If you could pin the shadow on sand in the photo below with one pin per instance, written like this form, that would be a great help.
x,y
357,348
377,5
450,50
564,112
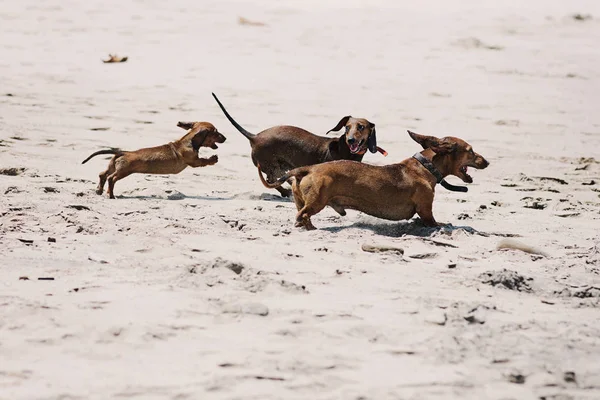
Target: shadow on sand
x,y
166,198
174,196
414,227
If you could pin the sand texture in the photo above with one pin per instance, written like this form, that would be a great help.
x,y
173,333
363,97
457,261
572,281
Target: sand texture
x,y
198,286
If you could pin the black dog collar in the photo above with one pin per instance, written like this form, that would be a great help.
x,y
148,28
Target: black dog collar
x,y
438,176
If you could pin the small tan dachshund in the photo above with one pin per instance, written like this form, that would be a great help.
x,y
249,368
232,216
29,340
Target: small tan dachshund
x,y
171,158
282,148
393,192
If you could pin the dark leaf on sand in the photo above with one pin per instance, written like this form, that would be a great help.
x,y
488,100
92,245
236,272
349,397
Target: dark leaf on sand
x,y
516,378
381,249
421,256
78,207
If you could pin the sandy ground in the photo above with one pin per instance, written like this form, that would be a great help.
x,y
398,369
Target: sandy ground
x,y
197,286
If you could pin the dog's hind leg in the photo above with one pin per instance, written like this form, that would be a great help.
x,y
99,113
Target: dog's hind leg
x,y
272,176
277,171
103,175
299,200
112,179
312,205
283,191
303,220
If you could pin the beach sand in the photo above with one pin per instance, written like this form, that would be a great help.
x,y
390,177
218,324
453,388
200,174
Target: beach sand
x,y
197,285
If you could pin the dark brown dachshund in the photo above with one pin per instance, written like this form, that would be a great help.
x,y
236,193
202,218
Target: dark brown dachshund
x,y
282,148
171,158
392,192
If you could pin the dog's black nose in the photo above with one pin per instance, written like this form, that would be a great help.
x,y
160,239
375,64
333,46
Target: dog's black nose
x,y
351,140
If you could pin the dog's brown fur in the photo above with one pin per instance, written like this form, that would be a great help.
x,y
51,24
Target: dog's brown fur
x,y
113,58
392,192
171,158
282,148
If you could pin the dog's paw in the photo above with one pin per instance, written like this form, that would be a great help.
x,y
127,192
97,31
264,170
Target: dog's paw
x,y
213,159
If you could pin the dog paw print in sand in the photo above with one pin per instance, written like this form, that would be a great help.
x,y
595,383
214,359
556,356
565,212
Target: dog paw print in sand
x,y
524,183
220,271
475,43
537,203
507,279
251,308
233,223
12,190
154,193
565,207
13,171
584,163
581,292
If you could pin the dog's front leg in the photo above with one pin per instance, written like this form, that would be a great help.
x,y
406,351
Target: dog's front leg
x,y
203,162
426,214
424,203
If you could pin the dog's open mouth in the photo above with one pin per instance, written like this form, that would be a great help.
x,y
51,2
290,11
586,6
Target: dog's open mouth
x,y
355,147
465,176
220,140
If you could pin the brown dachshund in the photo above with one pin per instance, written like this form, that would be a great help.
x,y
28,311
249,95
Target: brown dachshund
x,y
171,158
392,192
282,148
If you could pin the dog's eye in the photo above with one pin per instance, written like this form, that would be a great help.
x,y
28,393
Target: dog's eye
x,y
360,127
471,151
347,128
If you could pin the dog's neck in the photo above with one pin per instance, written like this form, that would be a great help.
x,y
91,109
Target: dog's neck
x,y
438,166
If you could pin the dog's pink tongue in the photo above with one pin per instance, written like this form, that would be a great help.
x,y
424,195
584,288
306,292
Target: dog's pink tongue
x,y
353,147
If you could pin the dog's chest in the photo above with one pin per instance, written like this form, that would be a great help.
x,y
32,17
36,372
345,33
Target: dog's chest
x,y
165,167
390,210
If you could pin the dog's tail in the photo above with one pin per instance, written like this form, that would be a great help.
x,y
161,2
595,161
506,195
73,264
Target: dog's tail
x,y
297,173
118,152
244,132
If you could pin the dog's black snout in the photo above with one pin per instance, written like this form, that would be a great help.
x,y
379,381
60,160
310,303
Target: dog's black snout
x,y
351,140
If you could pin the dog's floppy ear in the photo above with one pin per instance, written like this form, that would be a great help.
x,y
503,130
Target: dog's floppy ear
x,y
372,140
185,125
340,124
200,134
199,139
439,146
425,141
